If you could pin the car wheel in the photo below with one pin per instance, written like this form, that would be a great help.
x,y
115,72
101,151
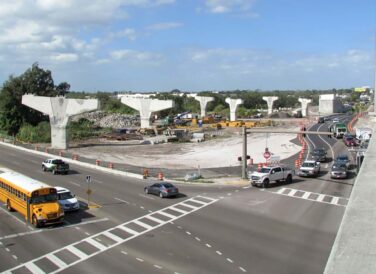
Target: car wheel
x,y
9,207
35,222
289,179
160,194
54,172
146,191
265,183
44,168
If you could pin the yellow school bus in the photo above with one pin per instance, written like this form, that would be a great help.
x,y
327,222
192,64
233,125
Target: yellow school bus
x,y
37,201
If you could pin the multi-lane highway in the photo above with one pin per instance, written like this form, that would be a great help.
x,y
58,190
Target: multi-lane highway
x,y
209,229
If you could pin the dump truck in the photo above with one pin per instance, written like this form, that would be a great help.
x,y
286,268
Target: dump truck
x,y
338,129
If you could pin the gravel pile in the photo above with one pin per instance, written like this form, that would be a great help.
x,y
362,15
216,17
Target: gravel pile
x,y
115,120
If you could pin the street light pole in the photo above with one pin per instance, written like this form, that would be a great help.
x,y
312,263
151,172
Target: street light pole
x,y
244,157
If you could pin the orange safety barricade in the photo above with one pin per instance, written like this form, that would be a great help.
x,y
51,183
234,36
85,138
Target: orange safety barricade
x,y
75,157
97,162
146,173
111,165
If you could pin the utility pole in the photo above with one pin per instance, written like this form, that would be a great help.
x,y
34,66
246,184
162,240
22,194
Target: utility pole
x,y
244,157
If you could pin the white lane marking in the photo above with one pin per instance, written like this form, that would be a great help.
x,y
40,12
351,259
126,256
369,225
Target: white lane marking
x,y
121,200
145,196
246,187
178,210
33,268
219,252
292,192
320,198
15,257
190,206
87,233
142,207
155,219
45,230
198,239
242,269
76,252
228,259
125,253
158,266
59,263
307,195
112,236
166,214
96,244
74,183
97,181
128,230
208,245
281,190
7,249
334,200
82,256
143,224
189,233
197,201
139,259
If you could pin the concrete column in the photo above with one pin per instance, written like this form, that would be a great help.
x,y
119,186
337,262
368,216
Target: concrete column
x,y
304,103
146,107
203,102
270,100
233,106
59,109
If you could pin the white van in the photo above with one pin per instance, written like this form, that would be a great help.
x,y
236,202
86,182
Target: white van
x,y
66,200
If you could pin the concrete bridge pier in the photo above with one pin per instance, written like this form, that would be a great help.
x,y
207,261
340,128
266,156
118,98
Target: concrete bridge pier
x,y
270,100
234,103
203,102
59,109
146,107
304,103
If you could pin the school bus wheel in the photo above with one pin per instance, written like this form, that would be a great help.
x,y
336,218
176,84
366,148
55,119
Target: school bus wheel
x,y
35,222
9,207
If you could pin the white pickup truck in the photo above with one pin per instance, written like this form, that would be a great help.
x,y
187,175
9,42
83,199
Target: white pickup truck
x,y
309,168
267,175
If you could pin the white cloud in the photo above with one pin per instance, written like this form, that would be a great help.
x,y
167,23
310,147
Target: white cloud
x,y
134,55
128,33
226,6
165,26
65,57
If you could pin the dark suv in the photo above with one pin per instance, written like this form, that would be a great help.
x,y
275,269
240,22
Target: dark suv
x,y
319,154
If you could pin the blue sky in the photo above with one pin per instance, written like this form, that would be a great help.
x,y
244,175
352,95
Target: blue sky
x,y
191,45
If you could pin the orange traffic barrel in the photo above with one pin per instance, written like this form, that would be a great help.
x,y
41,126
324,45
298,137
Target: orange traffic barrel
x,y
97,162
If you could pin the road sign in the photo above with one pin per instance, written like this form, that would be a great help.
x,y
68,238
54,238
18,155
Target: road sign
x,y
88,178
267,155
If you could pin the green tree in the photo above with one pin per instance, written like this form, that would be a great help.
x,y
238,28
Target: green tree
x,y
13,114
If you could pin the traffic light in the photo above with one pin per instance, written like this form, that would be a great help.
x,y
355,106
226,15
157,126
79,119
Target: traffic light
x,y
304,129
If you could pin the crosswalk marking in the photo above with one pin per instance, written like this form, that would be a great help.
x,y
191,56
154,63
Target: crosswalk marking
x,y
130,231
96,244
112,236
59,263
34,265
76,252
33,268
178,210
154,219
190,206
143,224
318,197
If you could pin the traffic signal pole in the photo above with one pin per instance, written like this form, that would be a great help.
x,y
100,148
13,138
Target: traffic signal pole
x,y
244,157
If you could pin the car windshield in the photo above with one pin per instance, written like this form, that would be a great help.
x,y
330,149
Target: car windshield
x,y
308,164
264,170
318,152
167,185
44,199
56,162
65,196
339,167
342,158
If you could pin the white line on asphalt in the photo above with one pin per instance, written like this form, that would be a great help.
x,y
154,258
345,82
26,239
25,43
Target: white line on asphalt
x,y
198,239
228,259
97,181
15,257
320,198
155,219
158,266
281,190
142,207
219,252
208,245
74,247
121,200
125,253
306,195
189,233
292,192
87,233
334,200
45,230
139,259
7,249
242,269
246,187
145,196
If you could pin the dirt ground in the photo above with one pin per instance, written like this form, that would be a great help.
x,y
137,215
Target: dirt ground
x,y
217,152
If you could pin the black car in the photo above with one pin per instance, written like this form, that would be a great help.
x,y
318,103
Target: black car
x,y
321,120
319,154
162,189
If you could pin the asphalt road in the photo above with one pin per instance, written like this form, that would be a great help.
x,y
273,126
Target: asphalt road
x,y
214,229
